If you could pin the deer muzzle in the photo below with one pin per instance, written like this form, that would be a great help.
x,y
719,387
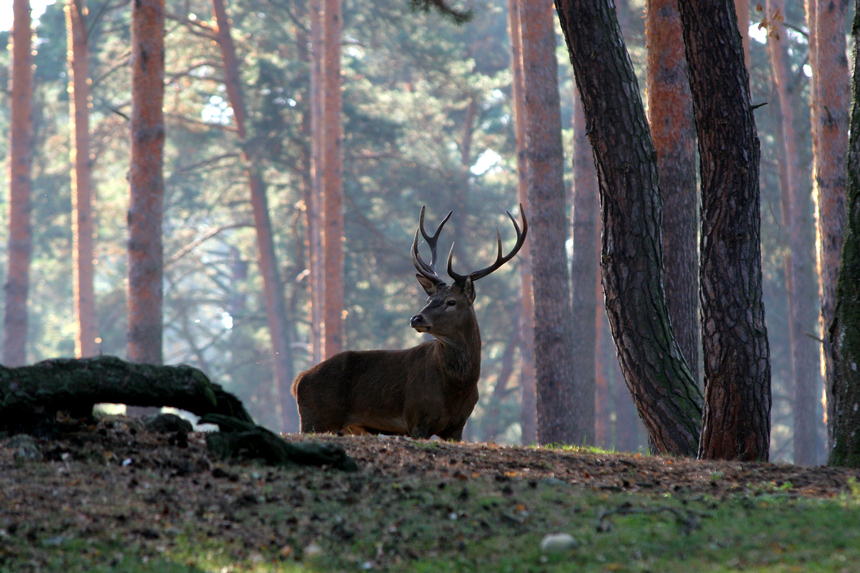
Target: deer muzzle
x,y
419,323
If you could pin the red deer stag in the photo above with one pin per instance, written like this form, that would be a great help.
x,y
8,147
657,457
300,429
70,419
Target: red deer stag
x,y
426,390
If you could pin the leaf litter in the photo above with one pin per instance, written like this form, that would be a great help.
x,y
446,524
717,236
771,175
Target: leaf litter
x,y
128,493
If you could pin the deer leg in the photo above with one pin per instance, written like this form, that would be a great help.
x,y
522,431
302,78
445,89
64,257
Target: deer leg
x,y
453,432
421,431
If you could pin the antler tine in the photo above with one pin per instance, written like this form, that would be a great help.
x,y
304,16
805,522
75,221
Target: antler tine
x,y
428,271
500,260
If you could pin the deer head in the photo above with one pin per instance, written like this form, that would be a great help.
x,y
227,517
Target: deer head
x,y
449,309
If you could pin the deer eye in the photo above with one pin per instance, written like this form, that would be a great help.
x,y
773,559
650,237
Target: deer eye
x,y
451,302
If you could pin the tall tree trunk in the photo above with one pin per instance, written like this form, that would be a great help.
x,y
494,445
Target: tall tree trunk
x,y
666,396
845,329
333,180
276,311
670,108
830,140
315,207
146,202
553,320
528,392
586,254
799,270
734,335
20,164
82,192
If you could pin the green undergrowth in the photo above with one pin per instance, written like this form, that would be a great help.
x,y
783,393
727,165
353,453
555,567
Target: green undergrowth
x,y
348,522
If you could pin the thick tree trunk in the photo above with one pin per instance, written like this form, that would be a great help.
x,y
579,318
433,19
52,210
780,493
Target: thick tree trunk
x,y
20,163
30,396
734,335
845,329
553,321
830,93
333,181
146,202
665,394
799,268
528,393
82,192
670,107
276,311
586,254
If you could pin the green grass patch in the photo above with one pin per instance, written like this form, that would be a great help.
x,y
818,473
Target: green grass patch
x,y
344,523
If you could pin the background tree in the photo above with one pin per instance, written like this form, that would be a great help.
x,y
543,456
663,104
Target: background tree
x,y
314,206
586,254
279,330
665,394
734,336
556,391
829,111
670,118
332,179
800,275
81,179
845,329
528,392
146,198
20,165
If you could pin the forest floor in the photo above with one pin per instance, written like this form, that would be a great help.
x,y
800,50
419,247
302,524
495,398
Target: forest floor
x,y
115,497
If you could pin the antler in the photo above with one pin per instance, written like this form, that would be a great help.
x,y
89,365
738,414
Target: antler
x,y
428,271
500,260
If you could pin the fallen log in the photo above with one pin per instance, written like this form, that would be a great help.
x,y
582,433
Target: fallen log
x,y
239,440
31,396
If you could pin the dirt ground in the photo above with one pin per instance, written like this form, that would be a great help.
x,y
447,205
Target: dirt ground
x,y
117,480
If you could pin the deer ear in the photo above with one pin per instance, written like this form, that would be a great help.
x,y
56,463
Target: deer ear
x,y
430,287
469,289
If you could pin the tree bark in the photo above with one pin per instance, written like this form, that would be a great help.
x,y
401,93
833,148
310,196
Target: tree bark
x,y
799,268
844,332
528,393
146,202
734,335
333,181
670,108
829,111
81,170
20,165
586,254
666,396
276,311
553,320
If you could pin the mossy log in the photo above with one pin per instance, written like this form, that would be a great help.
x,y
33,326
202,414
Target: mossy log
x,y
242,440
30,396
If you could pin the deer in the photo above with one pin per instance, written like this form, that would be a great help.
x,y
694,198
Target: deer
x,y
429,389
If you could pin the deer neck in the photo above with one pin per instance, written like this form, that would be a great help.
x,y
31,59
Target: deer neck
x,y
458,357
